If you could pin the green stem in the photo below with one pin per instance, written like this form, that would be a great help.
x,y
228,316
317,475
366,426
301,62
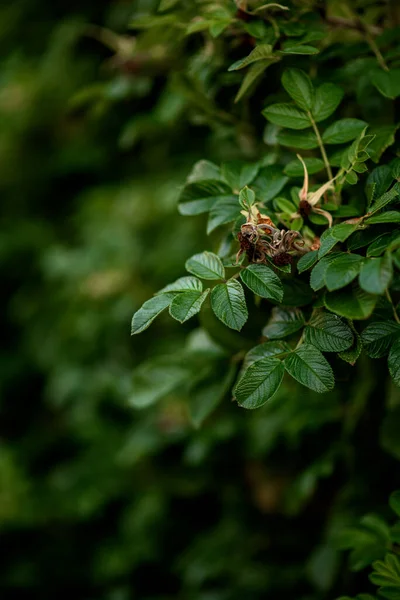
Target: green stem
x,y
396,316
372,44
321,146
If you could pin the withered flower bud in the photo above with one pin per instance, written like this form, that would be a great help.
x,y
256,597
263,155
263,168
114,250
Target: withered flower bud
x,y
282,259
305,208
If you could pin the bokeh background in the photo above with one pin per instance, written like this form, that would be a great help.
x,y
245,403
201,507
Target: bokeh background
x,y
99,500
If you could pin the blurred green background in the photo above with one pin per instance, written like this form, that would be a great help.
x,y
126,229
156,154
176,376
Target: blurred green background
x,y
98,500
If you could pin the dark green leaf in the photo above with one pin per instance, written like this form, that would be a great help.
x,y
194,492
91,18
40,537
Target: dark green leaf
x,y
394,502
295,168
352,303
206,266
259,382
309,367
225,210
343,131
253,74
261,280
229,304
298,85
269,183
238,174
387,82
200,196
204,169
387,241
328,333
317,278
327,98
307,261
287,115
260,52
283,322
376,274
378,337
305,140
390,216
351,355
343,270
183,284
265,350
394,362
385,199
378,182
307,50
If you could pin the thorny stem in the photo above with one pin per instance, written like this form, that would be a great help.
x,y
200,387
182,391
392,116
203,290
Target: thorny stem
x,y
396,316
321,146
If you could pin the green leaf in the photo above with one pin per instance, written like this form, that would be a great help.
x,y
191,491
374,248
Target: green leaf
x,y
259,383
229,304
296,293
305,140
378,337
385,199
299,87
307,50
338,233
390,216
149,311
376,274
328,333
206,265
283,322
327,98
204,169
351,355
309,367
343,270
387,82
386,573
351,303
238,174
200,196
394,502
317,278
225,210
307,261
186,305
269,183
394,362
247,198
261,280
378,182
260,52
385,242
343,131
265,350
183,284
167,4
384,136
287,115
254,73
295,168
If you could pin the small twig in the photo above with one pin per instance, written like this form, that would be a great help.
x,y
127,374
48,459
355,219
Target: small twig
x,y
396,316
372,44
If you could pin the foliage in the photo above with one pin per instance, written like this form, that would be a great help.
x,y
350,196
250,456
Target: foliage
x,y
126,471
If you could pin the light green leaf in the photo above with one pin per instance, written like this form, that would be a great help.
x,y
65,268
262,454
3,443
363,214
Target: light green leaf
x,y
387,82
155,379
225,210
305,140
307,50
259,382
295,168
328,333
307,261
183,284
204,169
200,196
261,280
149,311
229,304
317,278
260,52
186,305
343,131
287,115
376,274
327,98
283,322
390,216
299,87
378,337
247,198
343,270
206,265
309,367
352,303
167,4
